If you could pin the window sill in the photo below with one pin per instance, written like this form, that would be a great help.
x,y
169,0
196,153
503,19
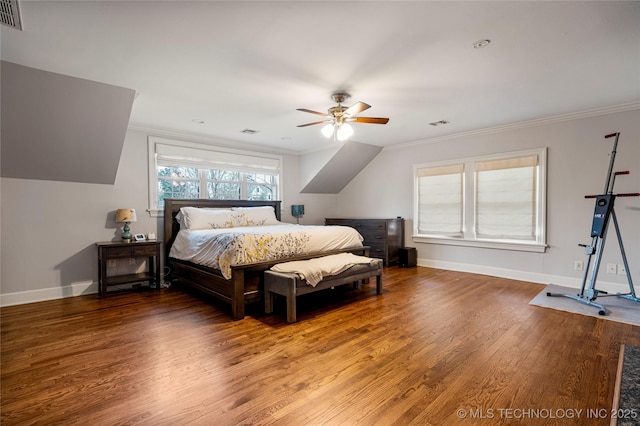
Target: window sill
x,y
155,213
507,245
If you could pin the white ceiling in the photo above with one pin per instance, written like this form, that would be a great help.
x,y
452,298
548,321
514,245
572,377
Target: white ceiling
x,y
238,65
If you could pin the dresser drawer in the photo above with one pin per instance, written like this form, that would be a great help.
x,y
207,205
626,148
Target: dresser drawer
x,y
377,250
371,224
130,251
340,222
118,252
144,251
372,236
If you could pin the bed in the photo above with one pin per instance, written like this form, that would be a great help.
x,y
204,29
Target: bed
x,y
237,280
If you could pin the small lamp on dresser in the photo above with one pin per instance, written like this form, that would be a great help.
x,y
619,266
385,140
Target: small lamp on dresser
x,y
126,216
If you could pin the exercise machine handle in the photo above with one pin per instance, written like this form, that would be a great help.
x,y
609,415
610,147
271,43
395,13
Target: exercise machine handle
x,y
608,187
625,194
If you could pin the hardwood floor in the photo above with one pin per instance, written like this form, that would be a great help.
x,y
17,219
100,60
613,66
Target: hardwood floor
x,y
436,346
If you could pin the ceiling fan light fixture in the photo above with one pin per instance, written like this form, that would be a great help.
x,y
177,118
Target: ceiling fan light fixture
x,y
338,115
327,130
345,131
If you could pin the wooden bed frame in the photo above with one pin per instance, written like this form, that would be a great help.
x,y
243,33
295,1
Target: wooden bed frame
x,y
246,283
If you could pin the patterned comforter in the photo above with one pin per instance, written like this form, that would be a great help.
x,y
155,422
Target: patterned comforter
x,y
223,248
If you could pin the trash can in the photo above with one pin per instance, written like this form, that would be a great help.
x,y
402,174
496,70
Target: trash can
x,y
407,257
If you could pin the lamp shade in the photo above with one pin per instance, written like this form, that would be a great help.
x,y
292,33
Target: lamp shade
x,y
327,130
126,215
297,210
345,131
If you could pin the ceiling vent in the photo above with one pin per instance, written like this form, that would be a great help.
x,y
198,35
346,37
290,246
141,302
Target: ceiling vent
x,y
10,14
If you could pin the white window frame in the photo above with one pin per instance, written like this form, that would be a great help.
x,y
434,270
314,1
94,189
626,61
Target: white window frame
x,y
155,142
469,238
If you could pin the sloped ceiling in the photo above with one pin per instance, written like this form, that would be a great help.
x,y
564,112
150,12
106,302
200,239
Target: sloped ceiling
x,y
347,162
56,127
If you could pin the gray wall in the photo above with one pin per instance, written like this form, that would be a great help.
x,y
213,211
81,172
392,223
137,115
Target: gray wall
x,y
578,158
48,228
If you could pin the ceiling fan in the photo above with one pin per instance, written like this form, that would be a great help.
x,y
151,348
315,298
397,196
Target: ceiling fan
x,y
339,116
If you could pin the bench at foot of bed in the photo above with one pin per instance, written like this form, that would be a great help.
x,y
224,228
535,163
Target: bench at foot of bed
x,y
291,285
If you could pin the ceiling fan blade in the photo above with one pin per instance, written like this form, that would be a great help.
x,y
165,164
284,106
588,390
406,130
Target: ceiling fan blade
x,y
371,120
312,112
354,109
315,122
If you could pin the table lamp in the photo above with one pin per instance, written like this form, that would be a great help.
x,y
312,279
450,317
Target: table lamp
x,y
126,216
297,210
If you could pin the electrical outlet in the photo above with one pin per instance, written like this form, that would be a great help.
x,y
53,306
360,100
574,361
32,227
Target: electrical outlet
x,y
578,265
111,263
132,261
622,270
612,268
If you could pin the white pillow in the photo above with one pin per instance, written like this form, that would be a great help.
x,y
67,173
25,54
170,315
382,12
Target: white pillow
x,y
197,218
254,216
180,219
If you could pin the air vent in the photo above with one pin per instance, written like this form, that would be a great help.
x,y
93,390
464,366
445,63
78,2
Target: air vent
x,y
250,131
481,43
10,14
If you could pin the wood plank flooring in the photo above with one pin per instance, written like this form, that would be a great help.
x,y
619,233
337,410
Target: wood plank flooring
x,y
437,348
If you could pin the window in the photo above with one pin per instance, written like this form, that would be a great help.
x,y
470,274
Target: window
x,y
440,194
496,201
187,170
177,182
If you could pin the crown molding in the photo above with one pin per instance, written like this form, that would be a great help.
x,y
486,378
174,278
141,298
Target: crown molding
x,y
187,137
489,130
632,106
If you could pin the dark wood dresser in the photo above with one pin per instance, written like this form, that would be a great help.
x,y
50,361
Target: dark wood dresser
x,y
385,236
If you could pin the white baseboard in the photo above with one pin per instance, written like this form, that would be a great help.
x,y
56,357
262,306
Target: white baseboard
x,y
31,296
532,277
90,287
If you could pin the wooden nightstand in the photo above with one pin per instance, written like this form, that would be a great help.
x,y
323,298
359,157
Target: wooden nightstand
x,y
152,250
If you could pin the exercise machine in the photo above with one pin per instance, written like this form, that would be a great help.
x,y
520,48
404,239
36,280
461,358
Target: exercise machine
x,y
603,212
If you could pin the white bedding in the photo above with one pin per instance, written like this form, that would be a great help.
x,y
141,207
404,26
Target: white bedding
x,y
223,248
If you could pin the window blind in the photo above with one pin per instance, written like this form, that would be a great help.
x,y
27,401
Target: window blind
x,y
440,192
506,198
172,155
